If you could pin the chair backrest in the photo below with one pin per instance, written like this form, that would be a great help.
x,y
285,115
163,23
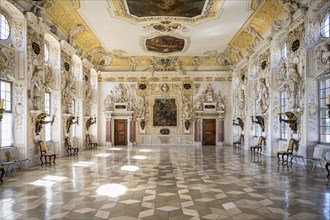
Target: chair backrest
x,y
292,142
318,151
67,141
326,154
241,138
7,156
260,141
42,146
88,137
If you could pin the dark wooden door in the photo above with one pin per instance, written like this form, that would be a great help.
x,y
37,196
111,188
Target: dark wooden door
x,y
209,131
120,132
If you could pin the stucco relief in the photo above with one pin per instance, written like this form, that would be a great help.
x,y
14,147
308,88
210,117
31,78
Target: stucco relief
x,y
68,91
262,95
19,107
88,93
276,111
37,88
7,62
18,33
322,58
49,78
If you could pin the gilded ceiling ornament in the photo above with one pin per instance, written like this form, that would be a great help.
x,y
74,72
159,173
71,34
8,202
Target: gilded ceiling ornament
x,y
165,27
194,11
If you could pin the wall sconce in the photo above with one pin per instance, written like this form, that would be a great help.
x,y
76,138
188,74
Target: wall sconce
x,y
2,109
41,120
292,121
328,104
90,121
70,121
260,121
239,123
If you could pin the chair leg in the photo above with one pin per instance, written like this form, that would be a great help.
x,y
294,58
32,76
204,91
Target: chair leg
x,y
42,162
327,168
278,158
2,173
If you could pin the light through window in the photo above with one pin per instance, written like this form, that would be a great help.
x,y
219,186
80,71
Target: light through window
x,y
324,119
46,53
48,128
284,51
4,28
7,120
325,25
283,104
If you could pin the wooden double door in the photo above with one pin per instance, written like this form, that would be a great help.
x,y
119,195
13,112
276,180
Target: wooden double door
x,y
120,132
209,131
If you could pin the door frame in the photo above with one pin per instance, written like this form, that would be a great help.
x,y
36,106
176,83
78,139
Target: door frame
x,y
215,131
114,132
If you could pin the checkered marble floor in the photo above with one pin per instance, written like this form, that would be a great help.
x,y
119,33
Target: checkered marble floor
x,y
165,182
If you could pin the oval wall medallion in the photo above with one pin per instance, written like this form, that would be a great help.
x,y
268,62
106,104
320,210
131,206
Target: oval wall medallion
x,y
187,86
35,48
263,64
295,45
67,66
209,106
164,131
142,86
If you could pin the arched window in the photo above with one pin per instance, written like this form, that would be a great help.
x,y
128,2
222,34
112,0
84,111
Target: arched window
x,y
324,94
283,104
46,53
7,120
284,51
4,27
325,25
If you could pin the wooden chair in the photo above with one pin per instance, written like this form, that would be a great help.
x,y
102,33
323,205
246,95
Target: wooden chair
x,y
2,170
44,153
287,153
255,149
69,148
239,142
90,143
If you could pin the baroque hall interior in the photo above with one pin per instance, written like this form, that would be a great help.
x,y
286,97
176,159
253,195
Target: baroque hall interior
x,y
164,109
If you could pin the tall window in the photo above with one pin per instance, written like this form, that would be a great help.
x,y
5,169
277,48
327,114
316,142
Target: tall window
x,y
256,127
46,53
73,128
325,25
4,28
48,129
7,120
283,104
324,119
284,51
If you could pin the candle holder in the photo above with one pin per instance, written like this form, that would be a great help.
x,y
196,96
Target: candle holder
x,y
260,121
2,109
41,120
90,121
70,121
292,120
239,123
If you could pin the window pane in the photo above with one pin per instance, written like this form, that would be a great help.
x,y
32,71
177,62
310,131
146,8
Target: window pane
x,y
4,27
7,130
325,26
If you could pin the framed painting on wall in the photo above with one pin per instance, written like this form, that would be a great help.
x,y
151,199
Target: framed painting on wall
x,y
164,112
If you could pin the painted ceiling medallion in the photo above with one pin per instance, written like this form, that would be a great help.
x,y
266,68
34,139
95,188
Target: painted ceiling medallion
x,y
165,44
190,11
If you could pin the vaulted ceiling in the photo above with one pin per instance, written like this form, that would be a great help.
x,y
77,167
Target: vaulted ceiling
x,y
119,32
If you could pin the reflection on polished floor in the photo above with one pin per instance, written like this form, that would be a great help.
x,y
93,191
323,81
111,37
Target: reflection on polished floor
x,y
165,183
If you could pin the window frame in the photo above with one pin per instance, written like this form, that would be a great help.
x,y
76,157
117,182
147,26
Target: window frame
x,y
284,48
322,25
321,109
48,117
8,112
9,27
48,53
284,130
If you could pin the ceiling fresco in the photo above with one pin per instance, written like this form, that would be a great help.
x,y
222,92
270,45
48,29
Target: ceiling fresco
x,y
112,34
173,8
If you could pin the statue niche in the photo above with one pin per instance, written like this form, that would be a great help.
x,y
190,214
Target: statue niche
x,y
37,87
